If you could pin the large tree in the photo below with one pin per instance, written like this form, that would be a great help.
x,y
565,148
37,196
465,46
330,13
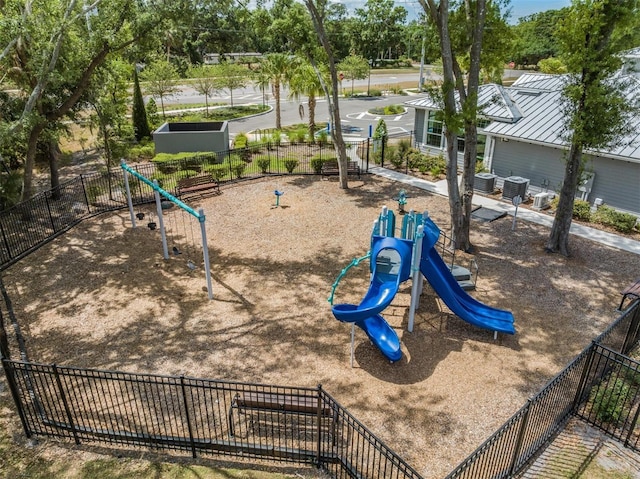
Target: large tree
x,y
51,51
278,67
204,82
306,81
231,76
160,78
318,11
534,37
380,27
354,67
596,107
461,33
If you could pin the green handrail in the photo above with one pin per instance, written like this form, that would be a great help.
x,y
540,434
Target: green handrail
x,y
354,262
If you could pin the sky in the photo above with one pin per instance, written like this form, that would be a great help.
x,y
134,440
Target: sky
x,y
519,8
522,8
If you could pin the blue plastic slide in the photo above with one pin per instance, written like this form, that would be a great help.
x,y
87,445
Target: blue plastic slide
x,y
391,265
445,285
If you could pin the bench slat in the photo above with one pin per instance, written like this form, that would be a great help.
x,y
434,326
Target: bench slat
x,y
331,168
197,183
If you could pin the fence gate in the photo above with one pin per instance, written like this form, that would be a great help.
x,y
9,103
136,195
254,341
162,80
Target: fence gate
x,y
611,395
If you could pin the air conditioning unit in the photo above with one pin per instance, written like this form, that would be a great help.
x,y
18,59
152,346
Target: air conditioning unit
x,y
484,182
541,201
515,186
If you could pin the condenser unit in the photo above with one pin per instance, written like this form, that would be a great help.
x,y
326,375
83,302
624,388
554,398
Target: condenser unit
x,y
541,201
484,182
515,186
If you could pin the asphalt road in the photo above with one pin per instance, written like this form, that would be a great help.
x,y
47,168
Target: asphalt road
x,y
353,112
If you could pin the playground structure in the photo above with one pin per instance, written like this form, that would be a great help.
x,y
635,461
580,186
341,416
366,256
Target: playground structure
x,y
395,260
159,192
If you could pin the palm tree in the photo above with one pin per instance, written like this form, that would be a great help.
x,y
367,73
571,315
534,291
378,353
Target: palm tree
x,y
305,82
278,68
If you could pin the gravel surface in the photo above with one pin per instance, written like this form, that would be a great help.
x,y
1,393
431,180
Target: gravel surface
x,y
102,296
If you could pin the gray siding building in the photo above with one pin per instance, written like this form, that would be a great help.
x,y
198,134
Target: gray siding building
x,y
522,135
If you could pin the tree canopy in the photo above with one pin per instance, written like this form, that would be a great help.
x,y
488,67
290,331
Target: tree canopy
x,y
596,103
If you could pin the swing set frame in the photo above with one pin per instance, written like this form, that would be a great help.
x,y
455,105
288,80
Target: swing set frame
x,y
159,192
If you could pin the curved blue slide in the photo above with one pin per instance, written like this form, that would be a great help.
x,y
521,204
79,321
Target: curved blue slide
x,y
386,277
445,285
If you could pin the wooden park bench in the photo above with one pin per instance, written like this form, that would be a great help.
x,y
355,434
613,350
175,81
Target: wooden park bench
x,y
630,292
248,401
197,183
331,168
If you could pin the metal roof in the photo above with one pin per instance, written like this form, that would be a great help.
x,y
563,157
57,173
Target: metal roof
x,y
529,110
493,99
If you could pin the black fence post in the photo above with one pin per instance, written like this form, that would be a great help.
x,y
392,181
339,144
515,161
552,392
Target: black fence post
x,y
632,332
319,425
4,239
186,413
46,201
632,427
66,404
13,387
384,141
368,148
583,378
84,193
520,439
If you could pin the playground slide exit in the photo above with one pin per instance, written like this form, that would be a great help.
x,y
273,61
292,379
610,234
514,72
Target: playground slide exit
x,y
434,269
382,289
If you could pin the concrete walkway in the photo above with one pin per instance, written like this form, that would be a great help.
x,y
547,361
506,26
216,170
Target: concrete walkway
x,y
440,188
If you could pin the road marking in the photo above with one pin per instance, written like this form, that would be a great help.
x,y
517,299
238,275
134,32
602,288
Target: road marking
x,y
397,118
361,115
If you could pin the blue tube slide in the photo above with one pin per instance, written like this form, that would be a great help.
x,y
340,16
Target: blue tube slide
x,y
434,269
391,263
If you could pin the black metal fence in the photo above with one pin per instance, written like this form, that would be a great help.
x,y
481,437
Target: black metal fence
x,y
27,226
611,395
509,450
283,423
199,416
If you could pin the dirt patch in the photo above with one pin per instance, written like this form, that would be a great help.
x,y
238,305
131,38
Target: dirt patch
x,y
102,296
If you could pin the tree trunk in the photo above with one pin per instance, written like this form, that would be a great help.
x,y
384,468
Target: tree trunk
x,y
53,153
332,97
451,136
312,117
558,241
276,96
32,147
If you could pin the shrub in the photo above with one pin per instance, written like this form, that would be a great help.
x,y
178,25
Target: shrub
x,y
297,136
263,163
290,164
245,155
167,167
192,163
623,222
609,401
581,210
322,138
142,151
238,169
394,157
276,137
316,165
435,171
217,171
241,140
93,191
10,189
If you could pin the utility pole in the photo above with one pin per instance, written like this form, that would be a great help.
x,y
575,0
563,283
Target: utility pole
x,y
420,79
